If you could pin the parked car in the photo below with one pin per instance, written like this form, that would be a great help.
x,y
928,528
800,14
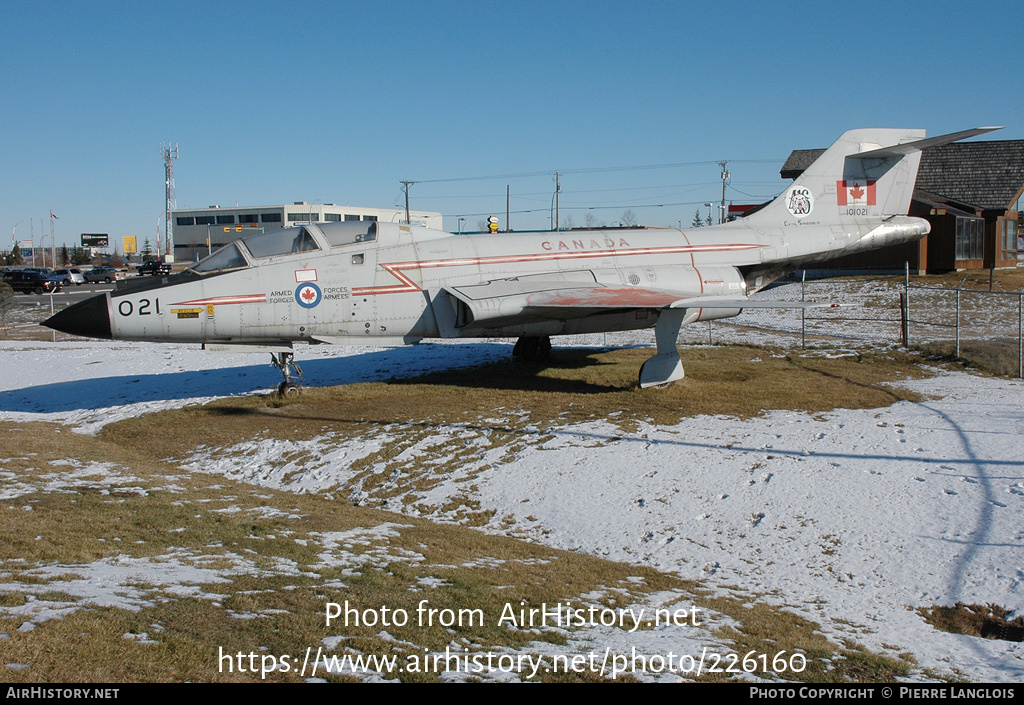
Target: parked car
x,y
70,276
154,267
34,283
103,274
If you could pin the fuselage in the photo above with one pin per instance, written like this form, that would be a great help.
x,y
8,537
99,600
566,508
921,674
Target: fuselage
x,y
386,282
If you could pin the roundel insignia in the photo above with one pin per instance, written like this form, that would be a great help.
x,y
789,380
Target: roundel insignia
x,y
308,295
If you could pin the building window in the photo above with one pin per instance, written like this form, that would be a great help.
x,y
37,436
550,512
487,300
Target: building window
x,y
351,217
225,220
970,238
370,217
204,220
1008,239
271,217
186,221
332,217
248,218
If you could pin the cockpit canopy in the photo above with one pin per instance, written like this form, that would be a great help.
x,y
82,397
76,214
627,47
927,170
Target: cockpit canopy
x,y
241,253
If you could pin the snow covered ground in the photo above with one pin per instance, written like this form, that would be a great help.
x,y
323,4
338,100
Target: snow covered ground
x,y
855,518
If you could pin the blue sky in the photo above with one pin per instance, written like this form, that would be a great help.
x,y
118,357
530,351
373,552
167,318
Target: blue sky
x,y
337,102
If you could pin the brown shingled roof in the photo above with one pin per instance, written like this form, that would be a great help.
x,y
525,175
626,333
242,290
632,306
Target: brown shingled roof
x,y
799,159
985,174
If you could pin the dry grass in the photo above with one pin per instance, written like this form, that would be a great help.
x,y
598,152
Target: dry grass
x,y
1000,357
1002,279
578,386
274,580
272,560
278,581
988,621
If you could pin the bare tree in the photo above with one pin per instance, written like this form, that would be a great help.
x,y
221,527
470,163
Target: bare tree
x,y
591,221
567,222
629,218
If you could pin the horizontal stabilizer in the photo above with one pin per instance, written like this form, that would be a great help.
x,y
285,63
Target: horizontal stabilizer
x,y
918,145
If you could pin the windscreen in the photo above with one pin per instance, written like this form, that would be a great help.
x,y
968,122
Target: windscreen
x,y
227,257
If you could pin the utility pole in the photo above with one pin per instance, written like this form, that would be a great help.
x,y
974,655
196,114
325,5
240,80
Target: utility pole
x,y
405,187
508,192
725,177
558,191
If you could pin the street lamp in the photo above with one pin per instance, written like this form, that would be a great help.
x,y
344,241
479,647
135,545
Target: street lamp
x,y
14,240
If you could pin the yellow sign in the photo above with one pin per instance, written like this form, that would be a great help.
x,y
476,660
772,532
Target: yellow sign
x,y
187,312
128,245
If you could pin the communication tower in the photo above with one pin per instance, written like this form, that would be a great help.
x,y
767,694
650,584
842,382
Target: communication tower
x,y
169,153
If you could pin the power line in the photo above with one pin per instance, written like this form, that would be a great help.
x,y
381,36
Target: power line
x,y
578,208
593,170
546,194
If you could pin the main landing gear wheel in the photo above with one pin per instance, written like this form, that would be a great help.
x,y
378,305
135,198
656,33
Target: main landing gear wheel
x,y
532,348
285,362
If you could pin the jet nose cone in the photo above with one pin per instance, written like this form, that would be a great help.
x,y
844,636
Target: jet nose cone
x,y
87,318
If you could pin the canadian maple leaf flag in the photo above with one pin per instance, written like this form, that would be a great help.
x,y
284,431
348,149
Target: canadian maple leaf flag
x,y
53,216
855,193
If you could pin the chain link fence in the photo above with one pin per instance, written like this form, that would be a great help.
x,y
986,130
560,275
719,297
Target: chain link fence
x,y
986,327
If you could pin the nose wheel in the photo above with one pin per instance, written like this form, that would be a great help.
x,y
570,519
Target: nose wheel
x,y
285,362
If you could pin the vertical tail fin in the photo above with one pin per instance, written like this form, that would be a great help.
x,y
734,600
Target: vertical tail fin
x,y
866,173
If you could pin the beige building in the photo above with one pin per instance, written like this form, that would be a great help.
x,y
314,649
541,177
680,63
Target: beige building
x,y
200,231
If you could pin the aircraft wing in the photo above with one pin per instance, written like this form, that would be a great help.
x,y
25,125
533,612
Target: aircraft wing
x,y
502,302
604,298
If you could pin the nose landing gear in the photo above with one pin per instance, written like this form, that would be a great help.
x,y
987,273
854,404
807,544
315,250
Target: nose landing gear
x,y
285,361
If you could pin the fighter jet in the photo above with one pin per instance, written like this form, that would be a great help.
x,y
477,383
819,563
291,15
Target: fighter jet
x,y
375,283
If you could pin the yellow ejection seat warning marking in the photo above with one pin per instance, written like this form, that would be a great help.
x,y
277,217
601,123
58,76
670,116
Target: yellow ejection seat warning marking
x,y
187,312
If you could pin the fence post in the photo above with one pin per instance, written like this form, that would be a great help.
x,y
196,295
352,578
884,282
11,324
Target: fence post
x,y
803,311
906,304
903,318
709,333
1020,335
958,323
